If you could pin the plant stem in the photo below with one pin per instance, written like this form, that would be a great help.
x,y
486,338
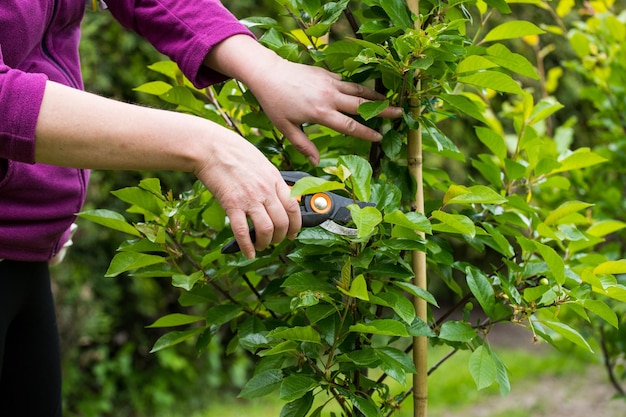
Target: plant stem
x,y
420,344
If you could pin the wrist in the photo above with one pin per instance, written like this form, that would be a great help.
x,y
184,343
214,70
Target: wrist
x,y
242,58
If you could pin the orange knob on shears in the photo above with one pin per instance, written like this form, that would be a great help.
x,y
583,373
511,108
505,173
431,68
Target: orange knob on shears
x,y
321,203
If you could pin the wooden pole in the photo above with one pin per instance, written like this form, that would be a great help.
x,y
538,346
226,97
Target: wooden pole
x,y
420,344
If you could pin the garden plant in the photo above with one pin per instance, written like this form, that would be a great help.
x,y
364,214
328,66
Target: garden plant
x,y
489,204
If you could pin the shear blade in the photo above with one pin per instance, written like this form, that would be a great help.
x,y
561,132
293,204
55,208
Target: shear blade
x,y
338,229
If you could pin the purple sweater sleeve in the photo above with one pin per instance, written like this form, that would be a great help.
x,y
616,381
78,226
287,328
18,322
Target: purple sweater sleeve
x,y
184,30
20,100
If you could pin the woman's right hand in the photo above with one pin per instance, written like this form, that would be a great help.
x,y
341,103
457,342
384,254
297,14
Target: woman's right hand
x,y
247,185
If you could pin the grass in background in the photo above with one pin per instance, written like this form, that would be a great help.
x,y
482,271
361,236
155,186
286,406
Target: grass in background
x,y
451,386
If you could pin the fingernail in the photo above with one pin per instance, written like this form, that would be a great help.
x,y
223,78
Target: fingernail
x,y
378,137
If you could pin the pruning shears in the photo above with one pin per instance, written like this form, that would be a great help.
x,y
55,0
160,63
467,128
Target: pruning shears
x,y
325,209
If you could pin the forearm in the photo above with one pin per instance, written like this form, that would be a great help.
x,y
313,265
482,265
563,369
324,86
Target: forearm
x,y
82,130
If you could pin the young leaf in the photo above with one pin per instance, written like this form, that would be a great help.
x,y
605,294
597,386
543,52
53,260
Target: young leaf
x,y
366,406
187,282
110,219
482,367
568,333
361,175
482,289
128,261
494,80
358,289
310,185
476,194
457,331
176,319
454,223
387,327
580,158
370,109
611,267
502,374
416,291
555,263
398,13
366,219
564,210
513,29
603,311
410,220
493,141
174,338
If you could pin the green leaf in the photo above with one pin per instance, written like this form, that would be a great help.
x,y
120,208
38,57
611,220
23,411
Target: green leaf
x,y
474,63
499,54
411,220
493,141
555,263
296,386
311,185
370,109
568,333
457,331
262,384
110,219
173,338
454,223
299,407
306,281
128,261
395,363
398,13
513,29
482,368
494,80
400,304
580,158
502,374
358,288
176,319
564,210
611,267
386,327
366,405
221,314
187,282
416,291
482,289
366,219
140,198
299,333
605,312
361,172
155,88
476,194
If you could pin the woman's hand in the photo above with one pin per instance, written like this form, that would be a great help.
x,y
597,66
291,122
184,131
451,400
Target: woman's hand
x,y
247,185
292,94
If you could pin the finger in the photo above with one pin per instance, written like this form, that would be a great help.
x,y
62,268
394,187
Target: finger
x,y
358,90
348,126
263,227
300,141
357,94
241,231
292,209
280,220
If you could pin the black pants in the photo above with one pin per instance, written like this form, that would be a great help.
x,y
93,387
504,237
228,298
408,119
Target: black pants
x,y
30,369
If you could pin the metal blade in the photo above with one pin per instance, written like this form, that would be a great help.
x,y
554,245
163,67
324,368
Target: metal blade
x,y
338,229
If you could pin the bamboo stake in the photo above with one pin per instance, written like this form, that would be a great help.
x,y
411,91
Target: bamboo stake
x,y
420,344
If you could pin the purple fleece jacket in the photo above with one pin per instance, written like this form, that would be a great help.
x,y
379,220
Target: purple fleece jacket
x,y
39,42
